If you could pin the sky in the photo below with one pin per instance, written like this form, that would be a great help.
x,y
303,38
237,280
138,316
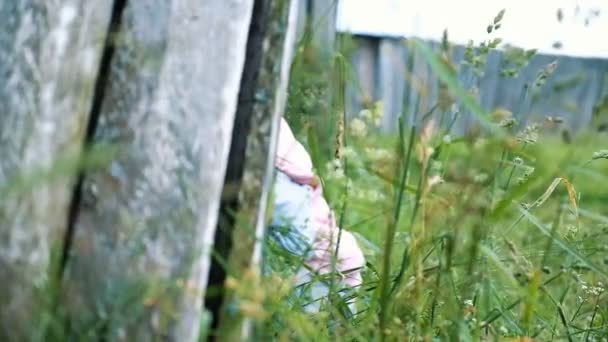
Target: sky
x,y
527,23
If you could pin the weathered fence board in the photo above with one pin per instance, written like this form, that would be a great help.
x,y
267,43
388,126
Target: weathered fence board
x,y
49,56
391,79
362,83
251,163
140,255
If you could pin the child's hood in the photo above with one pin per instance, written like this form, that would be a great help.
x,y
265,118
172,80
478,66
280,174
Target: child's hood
x,y
292,157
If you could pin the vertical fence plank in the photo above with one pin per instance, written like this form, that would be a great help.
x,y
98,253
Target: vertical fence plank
x,y
49,56
364,64
256,154
141,245
323,19
391,69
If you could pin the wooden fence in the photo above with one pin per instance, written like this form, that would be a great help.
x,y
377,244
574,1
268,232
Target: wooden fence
x,y
385,69
116,122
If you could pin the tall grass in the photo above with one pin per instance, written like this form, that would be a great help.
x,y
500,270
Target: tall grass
x,y
496,235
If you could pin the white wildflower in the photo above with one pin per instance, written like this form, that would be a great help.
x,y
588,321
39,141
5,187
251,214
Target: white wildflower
x,y
434,180
590,290
480,178
367,115
529,135
338,174
596,290
358,127
378,113
336,164
334,169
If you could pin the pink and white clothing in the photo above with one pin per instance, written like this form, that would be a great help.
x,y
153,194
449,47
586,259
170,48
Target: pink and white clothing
x,y
299,198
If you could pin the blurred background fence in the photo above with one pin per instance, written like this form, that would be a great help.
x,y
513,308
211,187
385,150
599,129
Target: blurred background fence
x,y
383,68
386,70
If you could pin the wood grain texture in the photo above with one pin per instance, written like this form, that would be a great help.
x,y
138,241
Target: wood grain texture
x,y
262,108
142,240
49,57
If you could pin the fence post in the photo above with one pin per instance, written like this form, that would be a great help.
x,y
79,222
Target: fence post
x,y
49,56
142,238
261,105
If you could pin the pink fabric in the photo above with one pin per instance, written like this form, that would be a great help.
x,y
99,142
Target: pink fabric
x,y
293,160
292,157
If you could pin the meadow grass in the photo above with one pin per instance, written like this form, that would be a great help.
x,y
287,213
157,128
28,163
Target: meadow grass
x,y
492,241
497,234
472,268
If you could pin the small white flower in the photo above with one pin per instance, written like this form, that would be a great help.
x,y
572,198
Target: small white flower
x,y
366,114
447,139
358,127
480,178
468,302
434,180
334,169
339,174
378,113
503,330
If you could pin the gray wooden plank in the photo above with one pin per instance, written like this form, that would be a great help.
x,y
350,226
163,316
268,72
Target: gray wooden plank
x,y
140,256
255,157
49,56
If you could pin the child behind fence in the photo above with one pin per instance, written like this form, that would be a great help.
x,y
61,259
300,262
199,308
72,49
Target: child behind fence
x,y
303,224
